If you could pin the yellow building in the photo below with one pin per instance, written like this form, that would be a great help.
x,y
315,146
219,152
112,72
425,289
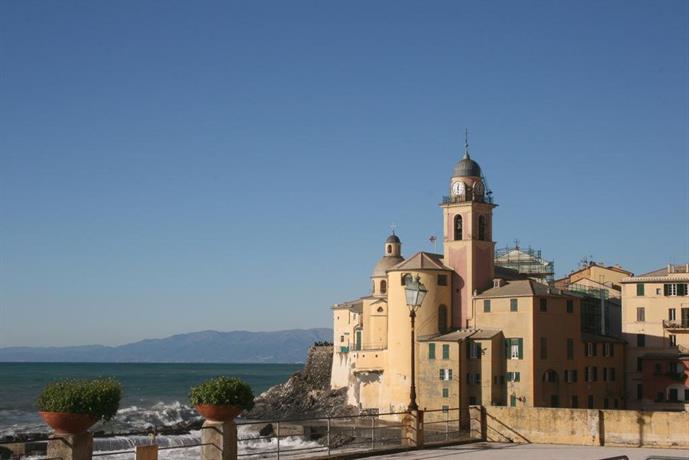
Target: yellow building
x,y
655,324
484,334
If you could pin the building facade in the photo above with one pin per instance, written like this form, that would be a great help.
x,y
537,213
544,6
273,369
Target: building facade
x,y
484,334
655,324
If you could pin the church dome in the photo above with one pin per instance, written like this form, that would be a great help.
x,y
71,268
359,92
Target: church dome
x,y
393,239
386,263
466,167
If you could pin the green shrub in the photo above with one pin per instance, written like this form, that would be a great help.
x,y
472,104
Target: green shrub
x,y
223,390
98,397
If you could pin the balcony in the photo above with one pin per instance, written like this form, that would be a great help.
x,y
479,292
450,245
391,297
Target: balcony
x,y
487,198
676,325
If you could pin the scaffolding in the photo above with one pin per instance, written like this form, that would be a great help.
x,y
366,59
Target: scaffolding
x,y
528,262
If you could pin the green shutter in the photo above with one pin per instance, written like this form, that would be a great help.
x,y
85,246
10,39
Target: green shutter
x,y
486,306
431,351
639,289
516,376
513,400
666,289
446,352
521,348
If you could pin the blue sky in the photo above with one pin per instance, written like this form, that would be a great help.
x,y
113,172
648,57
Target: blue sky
x,y
168,167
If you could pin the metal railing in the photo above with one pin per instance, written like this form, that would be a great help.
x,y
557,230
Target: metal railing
x,y
676,324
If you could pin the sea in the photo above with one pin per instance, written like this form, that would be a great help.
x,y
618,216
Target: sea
x,y
154,396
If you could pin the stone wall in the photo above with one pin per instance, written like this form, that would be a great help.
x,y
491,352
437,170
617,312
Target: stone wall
x,y
580,426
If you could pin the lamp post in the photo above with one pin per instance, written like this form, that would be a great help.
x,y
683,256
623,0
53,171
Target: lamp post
x,y
414,291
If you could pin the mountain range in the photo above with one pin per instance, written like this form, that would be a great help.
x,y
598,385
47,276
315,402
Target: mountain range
x,y
289,346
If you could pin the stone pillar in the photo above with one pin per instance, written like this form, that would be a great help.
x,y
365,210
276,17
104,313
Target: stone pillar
x,y
70,446
147,452
222,440
413,429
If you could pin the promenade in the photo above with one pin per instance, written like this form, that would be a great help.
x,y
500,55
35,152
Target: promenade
x,y
499,451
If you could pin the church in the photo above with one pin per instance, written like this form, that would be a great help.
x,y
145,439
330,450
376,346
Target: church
x,y
484,334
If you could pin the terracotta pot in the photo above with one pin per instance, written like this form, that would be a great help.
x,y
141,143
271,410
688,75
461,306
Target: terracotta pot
x,y
67,422
218,413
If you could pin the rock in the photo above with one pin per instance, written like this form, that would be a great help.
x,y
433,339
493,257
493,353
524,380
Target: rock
x,y
5,453
338,440
267,430
306,394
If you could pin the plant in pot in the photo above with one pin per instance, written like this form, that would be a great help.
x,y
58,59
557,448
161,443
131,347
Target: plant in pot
x,y
72,406
222,399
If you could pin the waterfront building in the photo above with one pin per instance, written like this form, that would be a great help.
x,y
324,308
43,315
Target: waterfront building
x,y
485,333
655,324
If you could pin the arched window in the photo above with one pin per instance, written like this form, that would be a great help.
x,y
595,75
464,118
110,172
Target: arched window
x,y
383,287
458,227
442,319
550,376
482,228
389,249
373,287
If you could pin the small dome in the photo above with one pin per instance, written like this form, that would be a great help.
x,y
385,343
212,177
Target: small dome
x,y
466,167
386,263
393,239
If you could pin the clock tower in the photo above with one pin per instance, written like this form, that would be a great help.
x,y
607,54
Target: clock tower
x,y
468,236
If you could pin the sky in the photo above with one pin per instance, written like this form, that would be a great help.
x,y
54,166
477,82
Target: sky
x,y
168,166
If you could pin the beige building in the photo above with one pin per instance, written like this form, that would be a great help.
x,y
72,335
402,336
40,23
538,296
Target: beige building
x,y
484,334
655,324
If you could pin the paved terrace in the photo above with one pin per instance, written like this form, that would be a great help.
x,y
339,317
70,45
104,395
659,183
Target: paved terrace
x,y
498,451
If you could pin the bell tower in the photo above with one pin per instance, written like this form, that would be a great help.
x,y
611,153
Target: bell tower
x,y
468,236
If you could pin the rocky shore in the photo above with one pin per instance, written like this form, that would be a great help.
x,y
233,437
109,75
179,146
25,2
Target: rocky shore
x,y
306,394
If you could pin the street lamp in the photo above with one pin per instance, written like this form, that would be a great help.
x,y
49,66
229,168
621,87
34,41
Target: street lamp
x,y
414,291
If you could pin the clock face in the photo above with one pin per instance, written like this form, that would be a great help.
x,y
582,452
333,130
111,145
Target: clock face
x,y
478,189
458,188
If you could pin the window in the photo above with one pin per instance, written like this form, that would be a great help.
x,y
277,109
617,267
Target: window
x,y
639,289
383,287
544,304
442,319
570,306
671,314
657,369
672,394
341,338
357,340
605,374
513,376
640,340
675,289
486,306
673,340
686,395
554,401
446,409
446,352
513,400
575,402
458,227
590,349
431,351
611,374
514,304
607,349
446,392
570,375
591,373
482,228
550,376
406,278
641,314
544,348
445,374
639,391
590,402
639,364
514,348
442,280
570,348
388,248
474,349
606,403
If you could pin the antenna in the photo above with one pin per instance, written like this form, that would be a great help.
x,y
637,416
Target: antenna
x,y
393,227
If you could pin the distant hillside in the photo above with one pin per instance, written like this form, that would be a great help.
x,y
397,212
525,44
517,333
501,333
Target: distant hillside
x,y
288,346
